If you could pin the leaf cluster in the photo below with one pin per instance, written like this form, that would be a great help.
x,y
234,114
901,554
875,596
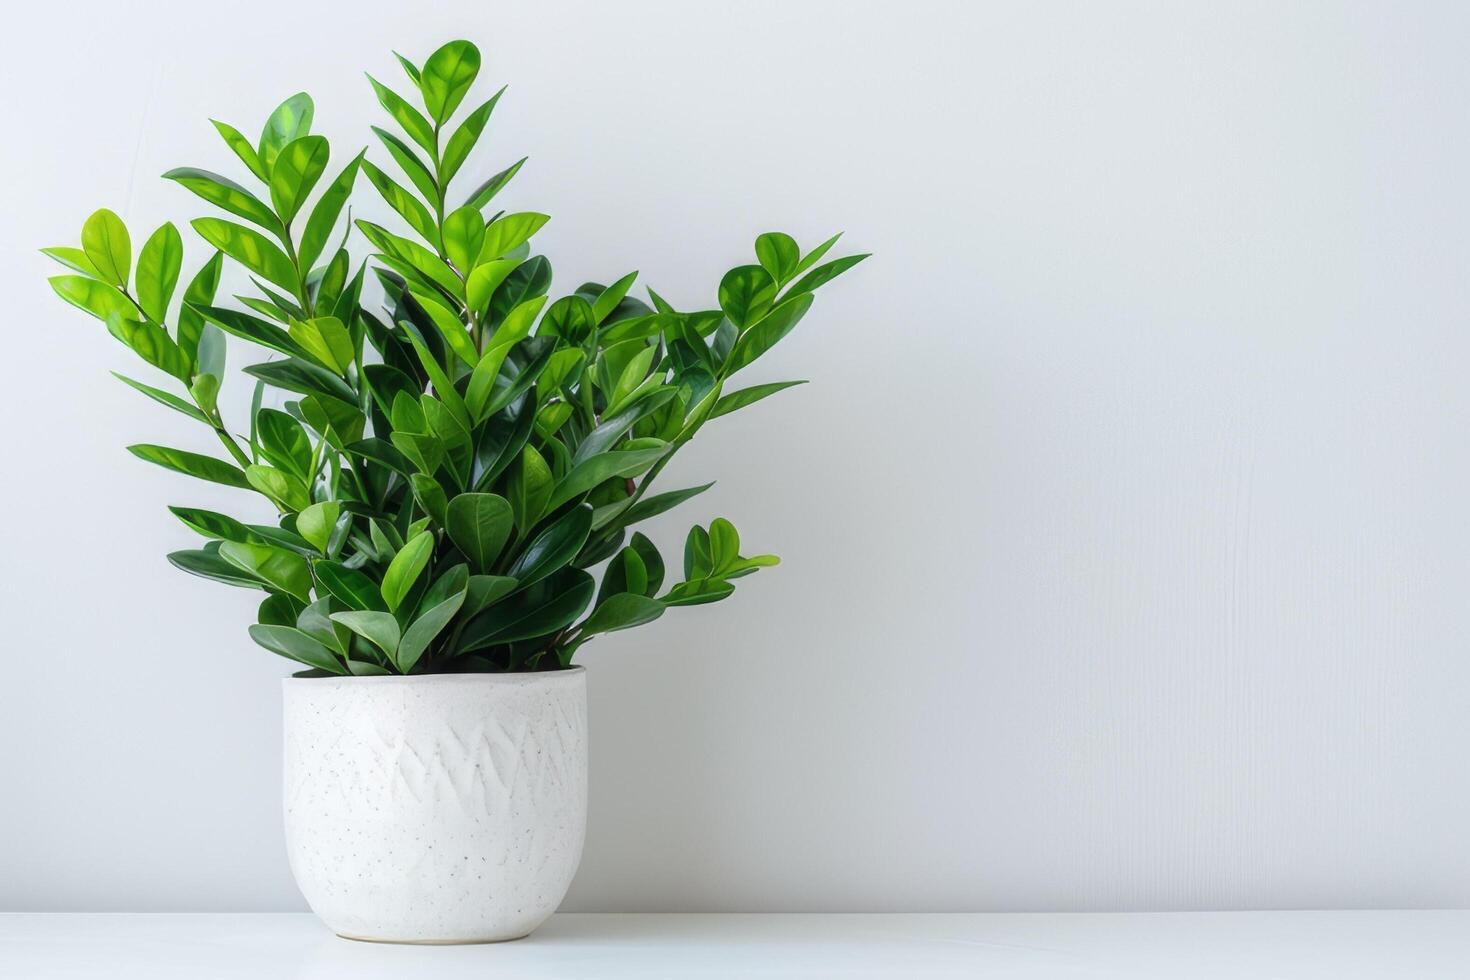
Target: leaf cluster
x,y
451,463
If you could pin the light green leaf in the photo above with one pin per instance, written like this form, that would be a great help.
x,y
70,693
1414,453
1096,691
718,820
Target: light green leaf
x,y
464,234
325,213
419,129
483,194
317,522
457,150
447,76
158,271
291,120
746,294
192,464
736,400
237,142
163,398
298,167
553,547
483,281
778,254
286,491
74,259
509,231
378,628
824,274
226,194
326,340
89,295
107,246
250,248
282,570
406,567
604,466
410,208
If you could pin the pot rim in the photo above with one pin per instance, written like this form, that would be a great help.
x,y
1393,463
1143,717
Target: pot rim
x,y
509,677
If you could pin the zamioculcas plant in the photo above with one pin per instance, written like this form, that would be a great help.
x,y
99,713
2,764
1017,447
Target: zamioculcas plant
x,y
451,463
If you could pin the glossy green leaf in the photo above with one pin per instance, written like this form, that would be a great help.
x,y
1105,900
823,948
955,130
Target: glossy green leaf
x,y
485,279
737,400
317,522
425,628
285,490
243,149
554,547
604,466
509,232
298,167
446,76
226,194
191,326
326,340
378,628
410,208
409,119
529,488
430,496
208,564
74,259
284,442
326,211
158,271
824,274
164,398
778,254
349,586
408,161
405,568
464,234
746,294
486,192
192,464
282,570
622,611
250,248
295,645
457,150
213,525
765,334
91,296
107,246
479,524
290,121
697,592
541,609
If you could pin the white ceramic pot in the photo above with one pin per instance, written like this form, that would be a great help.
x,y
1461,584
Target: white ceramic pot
x,y
442,808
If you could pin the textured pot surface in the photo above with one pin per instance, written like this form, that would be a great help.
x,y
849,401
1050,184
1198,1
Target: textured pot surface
x,y
437,809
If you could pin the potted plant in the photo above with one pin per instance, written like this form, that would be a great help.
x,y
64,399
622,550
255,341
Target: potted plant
x,y
456,467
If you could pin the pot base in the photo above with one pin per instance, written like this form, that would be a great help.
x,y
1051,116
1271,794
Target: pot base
x,y
432,942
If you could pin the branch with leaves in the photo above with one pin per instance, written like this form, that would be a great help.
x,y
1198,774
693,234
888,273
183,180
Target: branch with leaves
x,y
452,464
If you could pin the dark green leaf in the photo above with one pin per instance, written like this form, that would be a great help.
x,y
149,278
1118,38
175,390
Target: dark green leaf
x,y
349,586
778,254
736,400
296,645
478,524
620,612
542,609
765,334
553,547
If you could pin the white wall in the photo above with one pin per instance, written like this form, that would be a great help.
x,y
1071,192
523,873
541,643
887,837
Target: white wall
x,y
1124,522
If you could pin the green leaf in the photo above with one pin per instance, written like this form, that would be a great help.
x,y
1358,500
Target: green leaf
x,y
415,257
484,280
697,560
283,442
416,638
290,121
326,340
253,329
287,492
378,628
509,232
419,129
208,564
406,567
614,427
449,326
408,161
298,167
736,400
478,524
158,271
410,208
349,586
824,274
295,645
325,213
409,68
650,506
282,570
815,255
430,495
74,259
237,142
486,192
200,292
529,488
544,608
697,592
625,573
778,254
464,234
226,194
91,296
164,398
447,76
765,334
213,525
457,150
609,298
485,590
302,377
553,547
314,620
622,611
604,466
317,522
107,246
724,545
279,609
250,248
192,464
653,563
746,294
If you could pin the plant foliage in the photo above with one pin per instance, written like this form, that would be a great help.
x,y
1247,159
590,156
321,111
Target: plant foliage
x,y
452,463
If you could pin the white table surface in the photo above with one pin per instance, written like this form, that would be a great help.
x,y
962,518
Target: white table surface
x,y
1179,946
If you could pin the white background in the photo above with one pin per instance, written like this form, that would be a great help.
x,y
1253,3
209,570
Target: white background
x,y
1124,520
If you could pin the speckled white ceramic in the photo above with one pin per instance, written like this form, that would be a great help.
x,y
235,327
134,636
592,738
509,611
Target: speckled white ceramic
x,y
445,808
